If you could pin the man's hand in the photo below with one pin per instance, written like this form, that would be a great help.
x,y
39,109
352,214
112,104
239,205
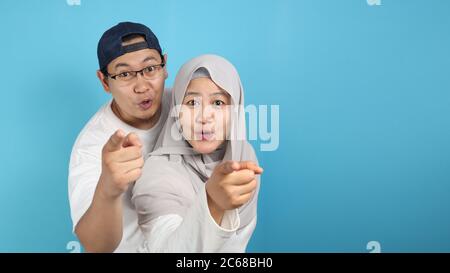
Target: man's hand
x,y
122,163
100,229
230,186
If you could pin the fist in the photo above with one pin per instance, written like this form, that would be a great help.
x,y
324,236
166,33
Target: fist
x,y
232,184
122,163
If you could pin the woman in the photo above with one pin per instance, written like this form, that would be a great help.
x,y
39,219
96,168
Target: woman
x,y
198,190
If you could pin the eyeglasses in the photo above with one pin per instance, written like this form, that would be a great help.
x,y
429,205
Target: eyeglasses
x,y
149,73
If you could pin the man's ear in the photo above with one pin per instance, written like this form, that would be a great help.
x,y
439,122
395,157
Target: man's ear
x,y
103,81
166,74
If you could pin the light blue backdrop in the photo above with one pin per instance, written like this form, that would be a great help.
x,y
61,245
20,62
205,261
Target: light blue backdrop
x,y
364,96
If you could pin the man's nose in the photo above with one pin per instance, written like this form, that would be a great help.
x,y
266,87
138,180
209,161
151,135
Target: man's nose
x,y
142,85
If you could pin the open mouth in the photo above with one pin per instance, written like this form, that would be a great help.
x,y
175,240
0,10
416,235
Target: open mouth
x,y
145,104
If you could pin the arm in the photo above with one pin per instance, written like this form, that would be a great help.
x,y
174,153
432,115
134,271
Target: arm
x,y
247,214
100,228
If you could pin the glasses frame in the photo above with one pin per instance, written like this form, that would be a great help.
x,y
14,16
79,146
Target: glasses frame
x,y
135,72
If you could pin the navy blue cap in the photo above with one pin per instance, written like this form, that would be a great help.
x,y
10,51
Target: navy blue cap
x,y
110,44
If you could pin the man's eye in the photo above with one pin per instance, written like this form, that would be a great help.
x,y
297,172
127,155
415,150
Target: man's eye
x,y
149,69
124,75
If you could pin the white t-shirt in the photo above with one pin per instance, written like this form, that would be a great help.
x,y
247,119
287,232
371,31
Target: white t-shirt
x,y
86,166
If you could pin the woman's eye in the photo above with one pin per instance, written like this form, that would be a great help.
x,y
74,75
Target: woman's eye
x,y
192,103
218,103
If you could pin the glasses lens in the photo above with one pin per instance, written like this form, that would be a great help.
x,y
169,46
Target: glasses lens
x,y
152,72
126,76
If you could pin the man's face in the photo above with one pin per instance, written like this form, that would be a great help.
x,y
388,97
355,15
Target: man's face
x,y
137,102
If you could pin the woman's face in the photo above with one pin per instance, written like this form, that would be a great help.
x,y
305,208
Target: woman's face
x,y
205,115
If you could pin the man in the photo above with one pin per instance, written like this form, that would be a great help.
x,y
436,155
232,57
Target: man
x,y
109,152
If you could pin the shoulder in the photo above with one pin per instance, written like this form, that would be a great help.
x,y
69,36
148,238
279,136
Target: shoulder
x,y
160,163
93,136
163,173
166,96
165,100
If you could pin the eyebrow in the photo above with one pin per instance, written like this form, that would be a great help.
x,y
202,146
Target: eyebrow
x,y
149,58
220,92
121,65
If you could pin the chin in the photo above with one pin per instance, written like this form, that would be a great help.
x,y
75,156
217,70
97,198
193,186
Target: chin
x,y
205,147
149,113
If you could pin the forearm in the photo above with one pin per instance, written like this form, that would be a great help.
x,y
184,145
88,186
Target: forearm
x,y
216,212
100,228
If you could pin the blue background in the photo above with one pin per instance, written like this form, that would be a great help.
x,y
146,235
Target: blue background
x,y
364,95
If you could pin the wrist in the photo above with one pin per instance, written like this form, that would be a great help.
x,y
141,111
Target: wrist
x,y
104,193
214,209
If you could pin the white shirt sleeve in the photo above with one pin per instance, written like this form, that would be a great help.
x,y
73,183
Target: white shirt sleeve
x,y
196,232
84,172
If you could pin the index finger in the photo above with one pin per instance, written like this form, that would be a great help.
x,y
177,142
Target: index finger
x,y
250,165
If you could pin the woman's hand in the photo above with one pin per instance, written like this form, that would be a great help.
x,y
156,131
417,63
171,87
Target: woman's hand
x,y
230,186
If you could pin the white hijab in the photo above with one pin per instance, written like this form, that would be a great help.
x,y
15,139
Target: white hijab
x,y
174,168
